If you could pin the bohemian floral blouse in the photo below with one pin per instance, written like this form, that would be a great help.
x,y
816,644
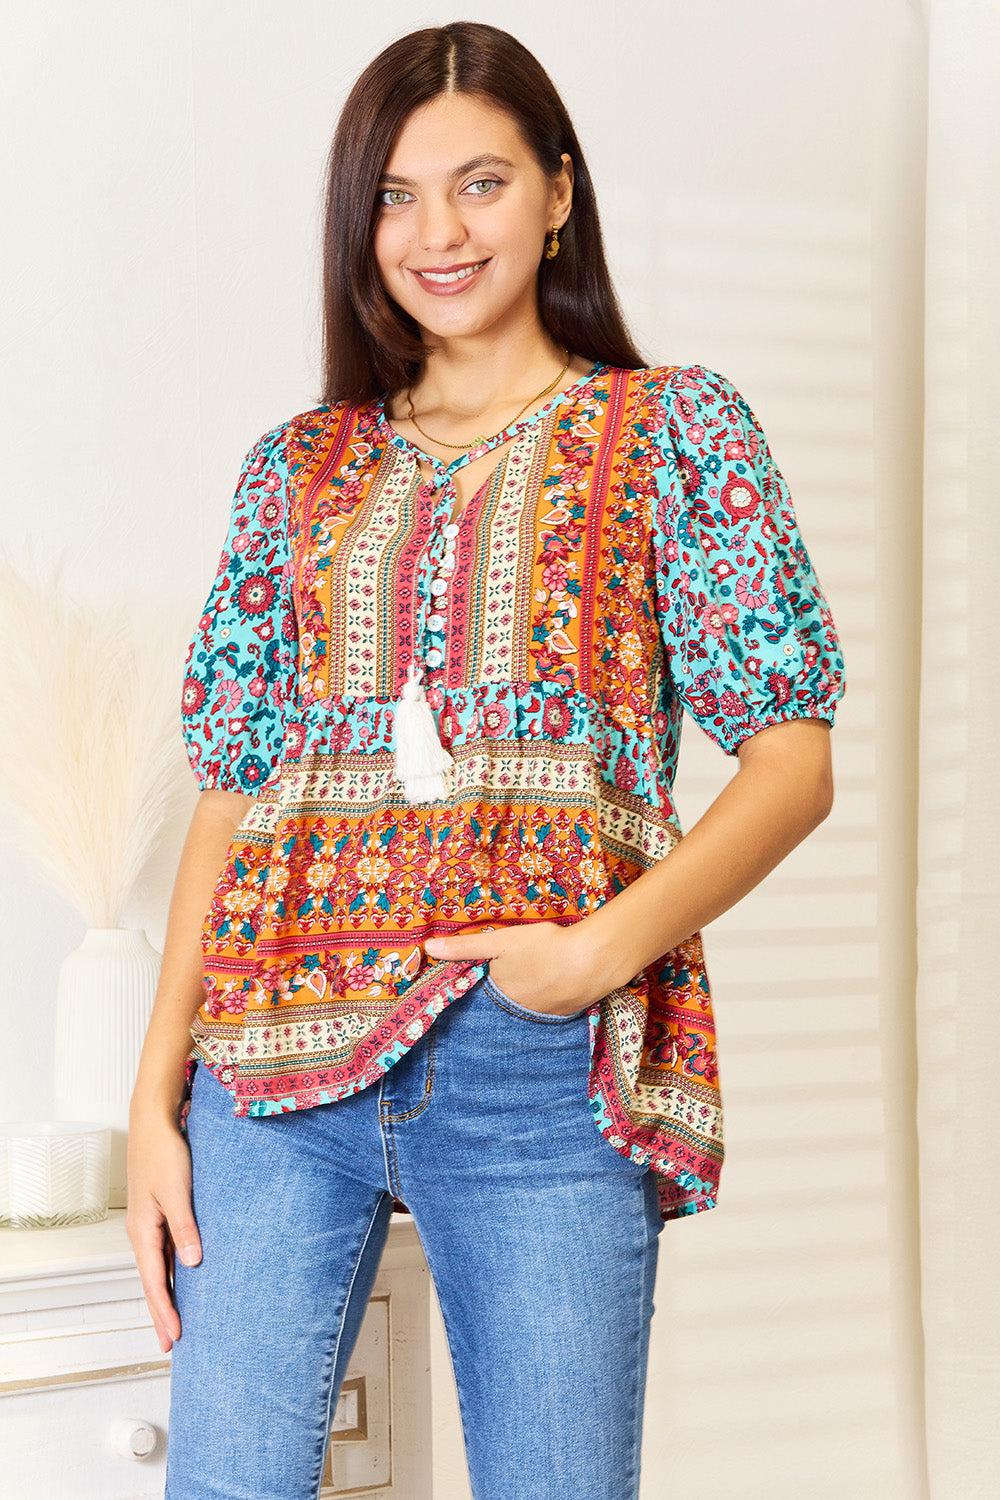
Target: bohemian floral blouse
x,y
634,553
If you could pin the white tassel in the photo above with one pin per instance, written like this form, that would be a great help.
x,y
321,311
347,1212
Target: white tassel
x,y
421,759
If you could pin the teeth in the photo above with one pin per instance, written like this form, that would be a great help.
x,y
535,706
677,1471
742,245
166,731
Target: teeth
x,y
443,276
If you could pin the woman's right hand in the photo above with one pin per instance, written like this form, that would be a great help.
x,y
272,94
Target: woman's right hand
x,y
160,1219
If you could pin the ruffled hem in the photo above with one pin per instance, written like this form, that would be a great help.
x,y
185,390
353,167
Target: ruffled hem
x,y
687,1178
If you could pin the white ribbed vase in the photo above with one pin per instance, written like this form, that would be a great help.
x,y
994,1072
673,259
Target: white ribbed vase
x,y
103,1004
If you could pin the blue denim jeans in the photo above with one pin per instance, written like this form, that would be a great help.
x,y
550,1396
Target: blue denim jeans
x,y
540,1237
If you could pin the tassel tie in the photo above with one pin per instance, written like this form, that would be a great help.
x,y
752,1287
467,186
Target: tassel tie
x,y
421,759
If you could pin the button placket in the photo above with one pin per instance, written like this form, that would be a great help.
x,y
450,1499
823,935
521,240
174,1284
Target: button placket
x,y
440,556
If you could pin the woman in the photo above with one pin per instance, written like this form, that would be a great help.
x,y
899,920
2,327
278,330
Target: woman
x,y
453,957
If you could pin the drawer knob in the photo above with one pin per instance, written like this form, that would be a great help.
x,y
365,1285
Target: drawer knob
x,y
132,1438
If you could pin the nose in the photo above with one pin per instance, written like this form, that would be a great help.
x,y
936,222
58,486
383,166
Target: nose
x,y
441,226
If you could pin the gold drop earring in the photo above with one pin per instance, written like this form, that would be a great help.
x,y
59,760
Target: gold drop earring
x,y
552,243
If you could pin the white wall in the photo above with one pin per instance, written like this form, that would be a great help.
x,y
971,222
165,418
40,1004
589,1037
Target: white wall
x,y
161,290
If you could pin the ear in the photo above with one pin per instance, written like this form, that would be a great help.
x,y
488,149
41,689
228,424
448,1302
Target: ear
x,y
562,192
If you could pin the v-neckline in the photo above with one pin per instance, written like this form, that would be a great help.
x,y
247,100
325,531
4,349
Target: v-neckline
x,y
473,501
514,430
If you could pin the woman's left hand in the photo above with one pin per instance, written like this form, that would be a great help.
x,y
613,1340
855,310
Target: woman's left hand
x,y
539,965
783,790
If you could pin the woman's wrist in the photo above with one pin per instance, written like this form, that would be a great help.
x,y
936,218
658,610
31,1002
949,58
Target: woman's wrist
x,y
605,950
161,1079
161,1094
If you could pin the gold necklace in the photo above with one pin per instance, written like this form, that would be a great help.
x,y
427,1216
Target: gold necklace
x,y
476,441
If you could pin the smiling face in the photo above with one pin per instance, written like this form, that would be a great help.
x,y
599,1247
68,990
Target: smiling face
x,y
464,212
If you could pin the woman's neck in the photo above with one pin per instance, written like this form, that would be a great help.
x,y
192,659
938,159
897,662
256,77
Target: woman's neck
x,y
482,383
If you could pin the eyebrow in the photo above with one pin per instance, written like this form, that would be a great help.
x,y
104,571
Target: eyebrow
x,y
473,165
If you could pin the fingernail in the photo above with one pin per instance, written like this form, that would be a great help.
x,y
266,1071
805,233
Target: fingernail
x,y
189,1255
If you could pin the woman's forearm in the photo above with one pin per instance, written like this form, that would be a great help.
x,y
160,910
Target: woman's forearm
x,y
783,789
160,1079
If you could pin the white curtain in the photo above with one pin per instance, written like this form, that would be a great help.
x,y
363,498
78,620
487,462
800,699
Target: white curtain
x,y
958,905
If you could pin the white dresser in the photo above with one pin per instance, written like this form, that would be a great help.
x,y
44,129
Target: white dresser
x,y
84,1386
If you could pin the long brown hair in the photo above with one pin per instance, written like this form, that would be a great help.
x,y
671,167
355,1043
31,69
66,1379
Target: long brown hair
x,y
370,345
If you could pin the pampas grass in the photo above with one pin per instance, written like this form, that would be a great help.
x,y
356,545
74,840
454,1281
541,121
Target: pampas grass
x,y
91,760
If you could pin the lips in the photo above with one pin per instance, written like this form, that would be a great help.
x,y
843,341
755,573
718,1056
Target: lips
x,y
445,280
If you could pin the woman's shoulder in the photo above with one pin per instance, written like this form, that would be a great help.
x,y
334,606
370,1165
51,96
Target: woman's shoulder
x,y
681,403
303,426
307,436
692,380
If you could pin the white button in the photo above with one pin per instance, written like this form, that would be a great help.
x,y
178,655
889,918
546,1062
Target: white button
x,y
439,586
451,529
433,657
436,622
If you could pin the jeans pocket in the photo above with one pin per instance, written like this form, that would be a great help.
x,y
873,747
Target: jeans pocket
x,y
539,1017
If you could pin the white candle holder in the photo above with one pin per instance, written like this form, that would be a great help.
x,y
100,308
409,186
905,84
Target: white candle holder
x,y
53,1173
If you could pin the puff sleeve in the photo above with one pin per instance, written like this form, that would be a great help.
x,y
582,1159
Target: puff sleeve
x,y
749,637
241,665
